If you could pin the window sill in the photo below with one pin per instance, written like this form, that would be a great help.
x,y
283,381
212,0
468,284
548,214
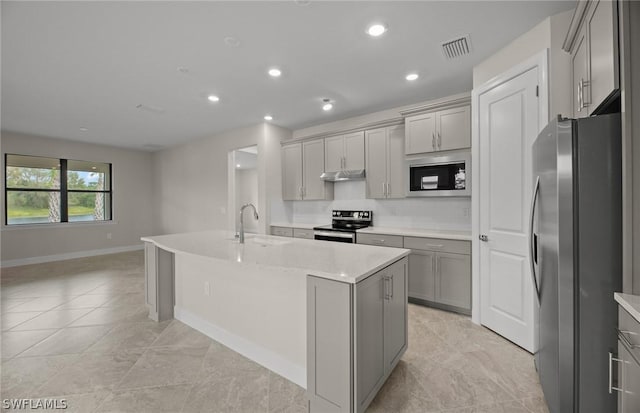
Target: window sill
x,y
17,227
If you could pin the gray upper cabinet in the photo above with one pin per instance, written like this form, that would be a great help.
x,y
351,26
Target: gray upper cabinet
x,y
344,152
384,152
302,165
292,172
593,44
438,131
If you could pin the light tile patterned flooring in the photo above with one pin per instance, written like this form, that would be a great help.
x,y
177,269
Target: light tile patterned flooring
x,y
79,330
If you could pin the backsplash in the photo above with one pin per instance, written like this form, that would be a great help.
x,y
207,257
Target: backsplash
x,y
432,213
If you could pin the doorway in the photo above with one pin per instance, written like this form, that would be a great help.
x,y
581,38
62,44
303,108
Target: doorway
x,y
244,186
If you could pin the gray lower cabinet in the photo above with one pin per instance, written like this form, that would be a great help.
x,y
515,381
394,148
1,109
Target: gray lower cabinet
x,y
438,277
628,386
159,282
356,334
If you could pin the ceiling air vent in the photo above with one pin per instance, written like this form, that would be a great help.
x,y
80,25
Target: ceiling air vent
x,y
457,47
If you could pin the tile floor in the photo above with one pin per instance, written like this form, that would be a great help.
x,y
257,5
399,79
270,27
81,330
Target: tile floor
x,y
79,330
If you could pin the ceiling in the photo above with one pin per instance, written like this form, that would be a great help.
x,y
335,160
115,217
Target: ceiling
x,y
71,66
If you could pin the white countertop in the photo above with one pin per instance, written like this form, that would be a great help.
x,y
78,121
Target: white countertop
x,y
338,261
294,225
629,302
418,232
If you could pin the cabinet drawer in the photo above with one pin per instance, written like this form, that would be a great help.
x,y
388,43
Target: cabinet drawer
x,y
282,231
303,233
630,328
437,244
380,239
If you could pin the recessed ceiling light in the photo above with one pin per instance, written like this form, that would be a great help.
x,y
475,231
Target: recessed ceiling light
x,y
83,129
268,117
237,165
275,72
213,98
412,76
376,30
327,104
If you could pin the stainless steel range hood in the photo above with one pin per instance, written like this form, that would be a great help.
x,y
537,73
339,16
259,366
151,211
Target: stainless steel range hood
x,y
343,175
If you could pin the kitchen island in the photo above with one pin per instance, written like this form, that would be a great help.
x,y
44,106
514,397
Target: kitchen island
x,y
331,317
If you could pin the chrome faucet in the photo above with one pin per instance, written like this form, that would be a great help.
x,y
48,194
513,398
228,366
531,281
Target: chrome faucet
x,y
255,215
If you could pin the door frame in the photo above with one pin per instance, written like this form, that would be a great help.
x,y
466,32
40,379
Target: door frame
x,y
540,61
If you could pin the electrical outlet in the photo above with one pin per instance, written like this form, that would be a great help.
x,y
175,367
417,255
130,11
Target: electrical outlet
x,y
207,289
108,235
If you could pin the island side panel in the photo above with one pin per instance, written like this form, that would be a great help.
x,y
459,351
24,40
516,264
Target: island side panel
x,y
329,345
159,282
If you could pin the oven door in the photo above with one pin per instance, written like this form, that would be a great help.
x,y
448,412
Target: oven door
x,y
337,236
439,176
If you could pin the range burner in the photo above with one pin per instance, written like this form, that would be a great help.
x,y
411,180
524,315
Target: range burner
x,y
343,226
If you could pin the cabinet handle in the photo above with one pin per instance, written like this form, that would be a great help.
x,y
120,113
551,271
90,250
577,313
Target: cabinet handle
x,y
433,140
627,341
579,97
611,360
384,190
388,189
378,240
434,245
581,85
391,285
437,264
439,140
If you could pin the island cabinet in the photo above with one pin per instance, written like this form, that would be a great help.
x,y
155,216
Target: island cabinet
x,y
158,282
302,165
592,41
440,130
628,385
356,334
344,152
384,152
440,273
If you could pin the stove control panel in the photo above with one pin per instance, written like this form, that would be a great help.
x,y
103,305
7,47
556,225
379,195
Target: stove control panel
x,y
353,215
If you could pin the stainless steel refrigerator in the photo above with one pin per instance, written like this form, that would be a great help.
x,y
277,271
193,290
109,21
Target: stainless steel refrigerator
x,y
576,243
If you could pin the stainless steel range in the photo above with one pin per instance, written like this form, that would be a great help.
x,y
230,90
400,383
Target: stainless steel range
x,y
344,225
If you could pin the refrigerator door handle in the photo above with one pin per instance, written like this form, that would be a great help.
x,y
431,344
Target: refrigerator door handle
x,y
533,238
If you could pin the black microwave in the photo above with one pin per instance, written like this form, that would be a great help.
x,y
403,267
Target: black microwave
x,y
439,175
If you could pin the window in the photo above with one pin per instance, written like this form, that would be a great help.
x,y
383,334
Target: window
x,y
45,190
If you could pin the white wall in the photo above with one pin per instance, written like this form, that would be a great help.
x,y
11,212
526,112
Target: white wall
x,y
247,193
548,34
132,217
191,180
432,213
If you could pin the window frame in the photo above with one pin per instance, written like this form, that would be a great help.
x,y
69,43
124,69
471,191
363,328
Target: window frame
x,y
63,190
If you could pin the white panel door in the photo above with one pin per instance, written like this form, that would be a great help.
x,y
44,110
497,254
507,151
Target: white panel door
x,y
508,126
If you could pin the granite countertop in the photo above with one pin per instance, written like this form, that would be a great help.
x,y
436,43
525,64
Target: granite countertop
x,y
337,261
629,302
418,232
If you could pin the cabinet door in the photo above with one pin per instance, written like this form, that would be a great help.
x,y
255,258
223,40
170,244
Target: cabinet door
x,y
369,336
354,151
422,275
376,155
603,57
580,75
453,279
292,172
333,153
420,133
453,129
395,313
396,173
630,395
313,167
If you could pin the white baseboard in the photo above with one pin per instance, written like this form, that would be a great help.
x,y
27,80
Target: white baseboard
x,y
253,351
68,256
